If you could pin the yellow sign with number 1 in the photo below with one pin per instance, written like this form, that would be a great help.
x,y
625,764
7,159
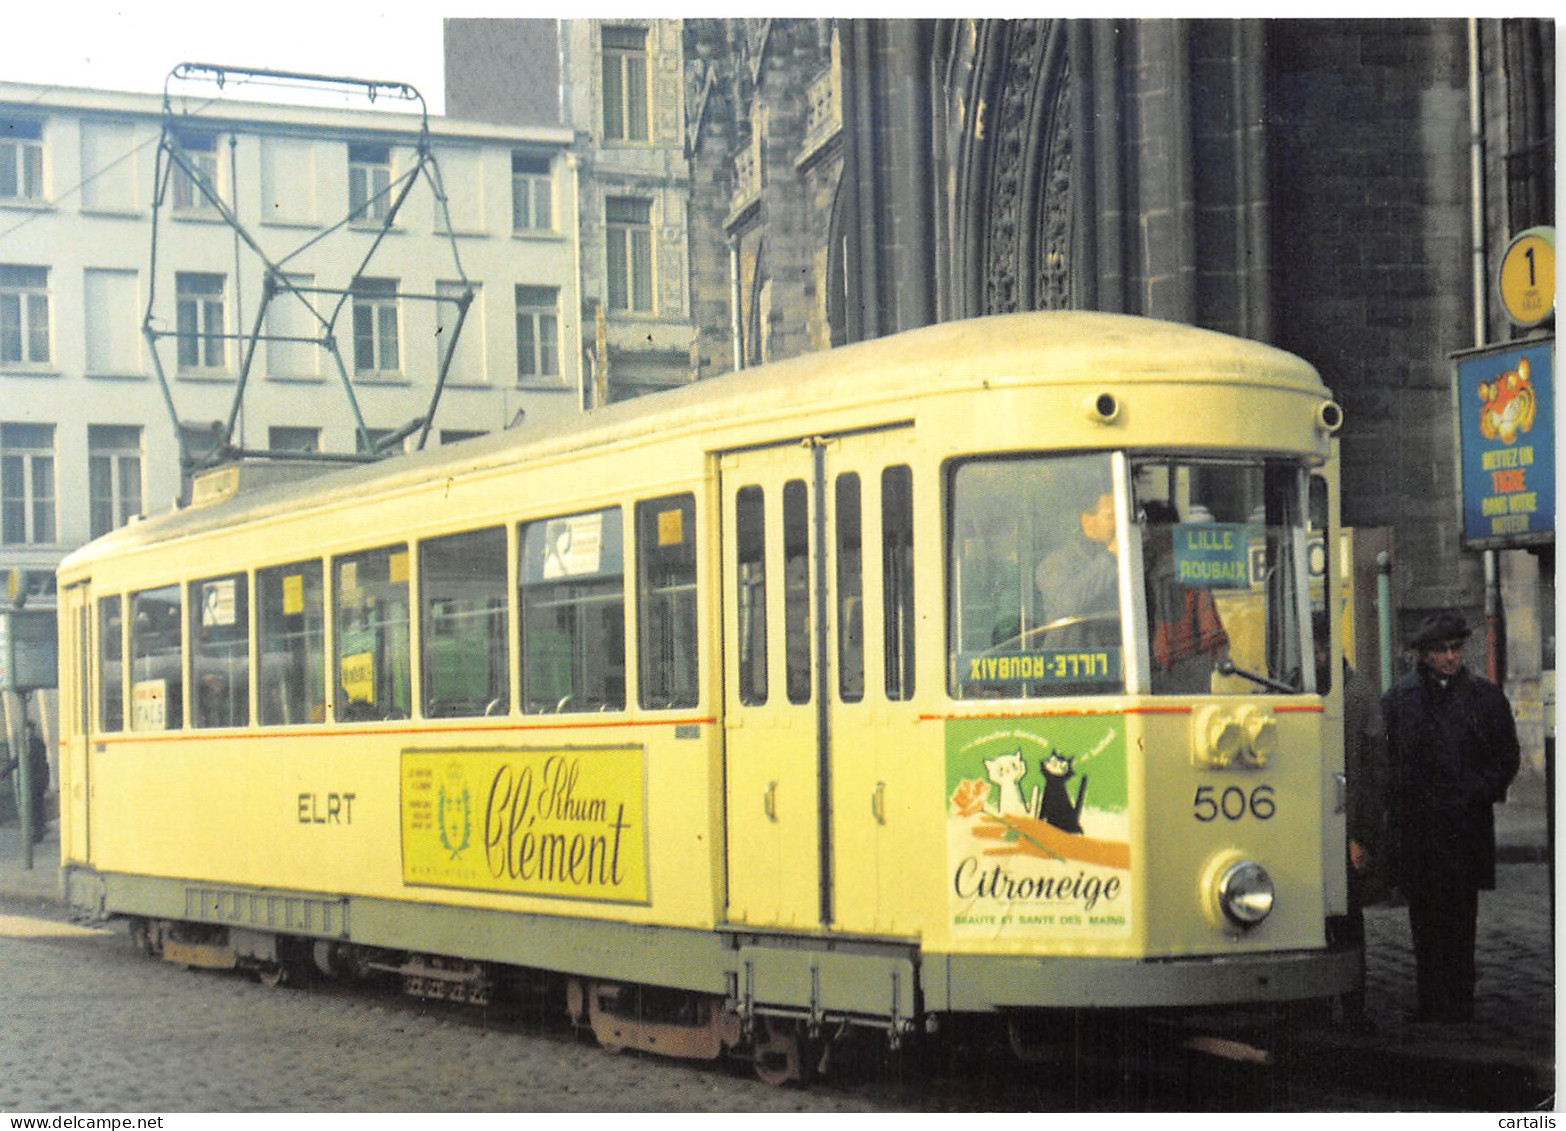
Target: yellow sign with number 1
x,y
1527,277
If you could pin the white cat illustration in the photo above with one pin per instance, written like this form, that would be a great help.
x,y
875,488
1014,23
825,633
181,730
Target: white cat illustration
x,y
1007,771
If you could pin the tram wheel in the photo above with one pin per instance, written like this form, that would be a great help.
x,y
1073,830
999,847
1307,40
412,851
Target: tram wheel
x,y
782,1053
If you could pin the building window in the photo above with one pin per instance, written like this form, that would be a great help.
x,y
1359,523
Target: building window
x,y
375,327
293,439
538,332
369,182
199,313
628,224
625,83
113,474
24,315
111,322
532,194
26,484
466,348
200,151
109,180
292,331
21,160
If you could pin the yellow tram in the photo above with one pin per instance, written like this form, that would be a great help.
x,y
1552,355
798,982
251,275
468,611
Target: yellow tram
x,y
964,671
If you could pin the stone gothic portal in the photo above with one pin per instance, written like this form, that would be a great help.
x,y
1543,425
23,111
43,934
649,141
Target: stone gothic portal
x,y
1006,104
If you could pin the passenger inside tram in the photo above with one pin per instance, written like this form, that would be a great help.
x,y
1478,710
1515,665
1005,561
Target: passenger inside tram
x,y
1186,637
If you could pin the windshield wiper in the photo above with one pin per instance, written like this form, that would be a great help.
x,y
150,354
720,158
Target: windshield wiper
x,y
1228,667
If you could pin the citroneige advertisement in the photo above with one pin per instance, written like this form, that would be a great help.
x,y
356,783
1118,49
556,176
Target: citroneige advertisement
x,y
1038,828
1506,425
569,823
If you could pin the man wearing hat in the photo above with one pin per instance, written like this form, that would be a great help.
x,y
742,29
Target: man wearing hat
x,y
1452,751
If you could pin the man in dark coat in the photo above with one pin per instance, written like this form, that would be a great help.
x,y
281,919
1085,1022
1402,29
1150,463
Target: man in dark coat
x,y
1452,749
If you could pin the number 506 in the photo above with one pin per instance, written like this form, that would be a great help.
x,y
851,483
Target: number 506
x,y
1233,803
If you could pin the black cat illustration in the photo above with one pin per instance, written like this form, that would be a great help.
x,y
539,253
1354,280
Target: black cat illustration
x,y
1059,809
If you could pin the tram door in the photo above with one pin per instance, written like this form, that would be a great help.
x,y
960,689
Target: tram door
x,y
770,716
75,722
802,527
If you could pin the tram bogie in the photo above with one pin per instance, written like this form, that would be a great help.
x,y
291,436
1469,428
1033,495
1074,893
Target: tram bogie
x,y
968,672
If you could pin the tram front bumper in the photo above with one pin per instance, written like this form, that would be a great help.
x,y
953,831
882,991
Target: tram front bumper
x,y
969,983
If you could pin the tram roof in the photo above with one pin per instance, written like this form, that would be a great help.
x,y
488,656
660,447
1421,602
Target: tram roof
x,y
1033,348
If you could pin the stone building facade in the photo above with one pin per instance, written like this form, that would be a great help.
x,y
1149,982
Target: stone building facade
x,y
617,85
1306,183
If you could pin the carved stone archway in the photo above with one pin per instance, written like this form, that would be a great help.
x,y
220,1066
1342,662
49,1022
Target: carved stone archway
x,y
1006,104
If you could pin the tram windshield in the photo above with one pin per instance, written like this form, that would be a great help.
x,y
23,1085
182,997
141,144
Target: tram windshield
x,y
1164,576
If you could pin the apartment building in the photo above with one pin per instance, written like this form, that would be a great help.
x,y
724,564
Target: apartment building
x,y
108,337
621,90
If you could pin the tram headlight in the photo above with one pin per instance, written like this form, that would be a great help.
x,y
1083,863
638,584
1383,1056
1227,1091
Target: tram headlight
x,y
1239,891
1261,732
1217,737
1245,893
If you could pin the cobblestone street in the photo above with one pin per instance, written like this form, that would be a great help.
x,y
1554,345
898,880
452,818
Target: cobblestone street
x,y
88,1024
1516,989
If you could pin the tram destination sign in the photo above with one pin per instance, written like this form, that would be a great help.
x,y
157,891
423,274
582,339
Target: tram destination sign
x,y
1506,444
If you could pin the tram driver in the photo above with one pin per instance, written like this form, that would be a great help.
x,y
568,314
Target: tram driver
x,y
1078,584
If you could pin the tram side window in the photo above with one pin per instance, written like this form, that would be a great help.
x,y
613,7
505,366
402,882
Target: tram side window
x,y
1034,608
157,670
292,635
751,599
111,647
220,651
370,594
462,594
850,590
897,579
796,590
572,578
666,602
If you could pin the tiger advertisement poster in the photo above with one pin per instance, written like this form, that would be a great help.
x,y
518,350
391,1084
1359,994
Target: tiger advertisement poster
x,y
1506,431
